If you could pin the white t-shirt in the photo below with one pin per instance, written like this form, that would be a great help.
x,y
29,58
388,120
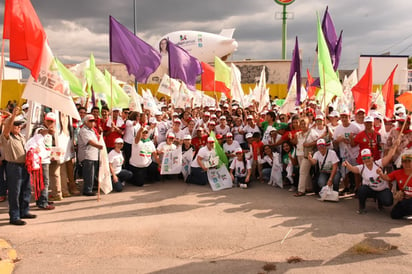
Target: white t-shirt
x,y
371,178
329,162
305,137
222,131
141,154
250,129
239,167
238,136
178,135
162,128
130,131
205,154
117,160
346,150
267,139
231,148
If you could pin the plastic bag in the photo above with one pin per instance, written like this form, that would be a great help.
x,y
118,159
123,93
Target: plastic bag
x,y
328,194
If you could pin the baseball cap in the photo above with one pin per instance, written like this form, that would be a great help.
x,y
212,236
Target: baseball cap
x,y
366,152
321,142
222,117
171,135
187,137
334,114
249,117
345,111
24,106
212,123
210,140
118,141
368,119
177,120
18,121
157,113
213,116
238,150
116,109
360,110
249,135
206,114
51,117
229,134
88,118
319,117
152,120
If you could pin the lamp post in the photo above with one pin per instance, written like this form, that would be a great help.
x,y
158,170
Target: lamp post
x,y
284,3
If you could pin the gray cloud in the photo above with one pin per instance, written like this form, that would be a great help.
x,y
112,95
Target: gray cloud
x,y
77,28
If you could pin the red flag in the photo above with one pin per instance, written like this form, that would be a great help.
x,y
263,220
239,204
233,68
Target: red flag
x,y
26,34
311,89
208,80
389,94
362,91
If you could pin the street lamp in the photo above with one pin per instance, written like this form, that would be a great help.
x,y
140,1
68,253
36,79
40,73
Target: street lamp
x,y
284,3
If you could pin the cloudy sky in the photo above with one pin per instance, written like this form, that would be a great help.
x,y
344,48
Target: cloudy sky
x,y
77,28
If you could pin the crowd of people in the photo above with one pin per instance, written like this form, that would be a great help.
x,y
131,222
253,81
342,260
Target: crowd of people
x,y
367,156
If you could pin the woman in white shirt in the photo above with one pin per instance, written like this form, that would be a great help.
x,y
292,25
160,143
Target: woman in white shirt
x,y
119,175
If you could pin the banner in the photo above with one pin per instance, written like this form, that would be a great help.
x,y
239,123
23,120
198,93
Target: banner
x,y
187,159
104,177
172,162
219,178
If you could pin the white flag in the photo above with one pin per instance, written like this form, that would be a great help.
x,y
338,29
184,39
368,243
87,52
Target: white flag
x,y
50,89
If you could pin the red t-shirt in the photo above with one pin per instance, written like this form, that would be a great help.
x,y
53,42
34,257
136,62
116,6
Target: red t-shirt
x,y
198,142
285,137
368,140
402,180
255,146
112,136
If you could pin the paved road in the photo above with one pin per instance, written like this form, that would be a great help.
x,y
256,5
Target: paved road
x,y
171,227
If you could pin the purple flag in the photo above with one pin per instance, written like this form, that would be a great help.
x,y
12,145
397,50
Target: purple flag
x,y
334,44
140,58
183,66
295,68
338,50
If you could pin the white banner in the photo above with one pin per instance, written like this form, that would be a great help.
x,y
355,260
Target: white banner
x,y
187,159
50,89
172,162
104,177
219,178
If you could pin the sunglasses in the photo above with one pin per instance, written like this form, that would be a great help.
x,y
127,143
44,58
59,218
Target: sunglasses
x,y
366,158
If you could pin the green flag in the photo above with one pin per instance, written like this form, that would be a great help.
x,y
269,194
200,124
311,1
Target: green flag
x,y
119,96
223,73
329,81
74,82
99,83
219,151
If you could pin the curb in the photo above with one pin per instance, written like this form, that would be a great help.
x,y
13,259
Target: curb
x,y
8,256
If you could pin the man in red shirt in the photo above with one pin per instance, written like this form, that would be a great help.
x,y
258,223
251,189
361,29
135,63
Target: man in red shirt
x,y
368,138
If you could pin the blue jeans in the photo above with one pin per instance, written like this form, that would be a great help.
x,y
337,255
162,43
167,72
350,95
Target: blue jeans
x,y
3,179
324,177
43,200
401,209
266,172
90,170
123,176
19,190
384,197
197,176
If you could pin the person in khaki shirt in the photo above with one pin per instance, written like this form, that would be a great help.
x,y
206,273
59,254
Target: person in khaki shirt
x,y
17,176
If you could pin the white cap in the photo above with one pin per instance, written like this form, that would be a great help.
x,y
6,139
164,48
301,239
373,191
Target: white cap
x,y
321,142
52,117
238,150
213,116
171,135
210,140
366,152
187,137
319,117
157,113
24,106
213,123
222,117
334,114
152,120
119,141
229,134
206,114
359,110
177,120
368,119
249,117
249,135
116,109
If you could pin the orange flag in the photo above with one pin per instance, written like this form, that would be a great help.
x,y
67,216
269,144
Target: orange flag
x,y
362,91
389,94
311,89
26,34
